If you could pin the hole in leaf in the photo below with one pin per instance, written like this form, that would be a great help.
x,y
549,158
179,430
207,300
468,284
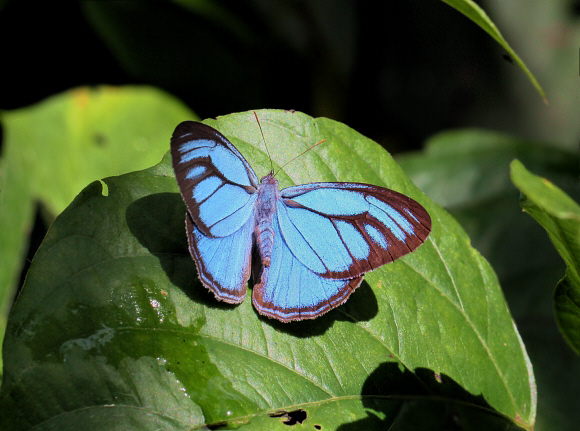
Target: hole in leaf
x,y
104,189
318,427
291,418
217,425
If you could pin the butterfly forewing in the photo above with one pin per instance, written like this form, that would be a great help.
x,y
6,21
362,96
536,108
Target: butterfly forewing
x,y
216,182
342,230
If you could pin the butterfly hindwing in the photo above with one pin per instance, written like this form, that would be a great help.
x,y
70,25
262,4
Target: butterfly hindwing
x,y
288,290
223,263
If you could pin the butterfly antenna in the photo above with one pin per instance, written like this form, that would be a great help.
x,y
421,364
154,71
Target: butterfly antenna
x,y
266,145
301,154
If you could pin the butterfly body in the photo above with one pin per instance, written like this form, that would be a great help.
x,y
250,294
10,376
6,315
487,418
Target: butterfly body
x,y
314,241
268,195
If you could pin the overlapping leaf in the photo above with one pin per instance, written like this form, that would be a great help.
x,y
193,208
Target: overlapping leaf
x,y
53,149
472,11
559,215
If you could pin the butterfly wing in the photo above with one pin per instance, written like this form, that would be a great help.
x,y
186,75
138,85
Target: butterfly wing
x,y
288,290
220,190
328,236
223,263
343,230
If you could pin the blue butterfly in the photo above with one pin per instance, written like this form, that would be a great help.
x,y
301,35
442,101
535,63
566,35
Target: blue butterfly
x,y
312,243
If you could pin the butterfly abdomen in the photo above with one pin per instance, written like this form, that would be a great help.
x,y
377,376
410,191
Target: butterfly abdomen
x,y
265,210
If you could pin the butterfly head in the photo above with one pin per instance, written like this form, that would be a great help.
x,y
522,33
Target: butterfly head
x,y
269,179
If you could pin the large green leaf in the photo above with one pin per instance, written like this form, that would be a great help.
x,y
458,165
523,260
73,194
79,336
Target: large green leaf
x,y
53,149
559,215
475,13
113,324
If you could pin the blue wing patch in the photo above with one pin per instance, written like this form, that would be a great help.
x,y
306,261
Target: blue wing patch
x,y
288,290
314,242
226,276
220,190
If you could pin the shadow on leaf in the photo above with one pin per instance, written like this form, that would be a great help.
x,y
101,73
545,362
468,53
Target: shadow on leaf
x,y
361,306
397,399
158,222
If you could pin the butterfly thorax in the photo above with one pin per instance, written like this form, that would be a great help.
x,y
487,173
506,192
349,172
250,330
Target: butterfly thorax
x,y
268,195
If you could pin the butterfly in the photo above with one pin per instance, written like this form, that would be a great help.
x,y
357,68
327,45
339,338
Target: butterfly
x,y
308,246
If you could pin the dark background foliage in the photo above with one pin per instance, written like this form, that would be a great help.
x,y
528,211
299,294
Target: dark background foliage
x,y
398,73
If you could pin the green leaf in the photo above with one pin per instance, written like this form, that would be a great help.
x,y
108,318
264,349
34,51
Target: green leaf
x,y
53,149
559,215
472,11
112,314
